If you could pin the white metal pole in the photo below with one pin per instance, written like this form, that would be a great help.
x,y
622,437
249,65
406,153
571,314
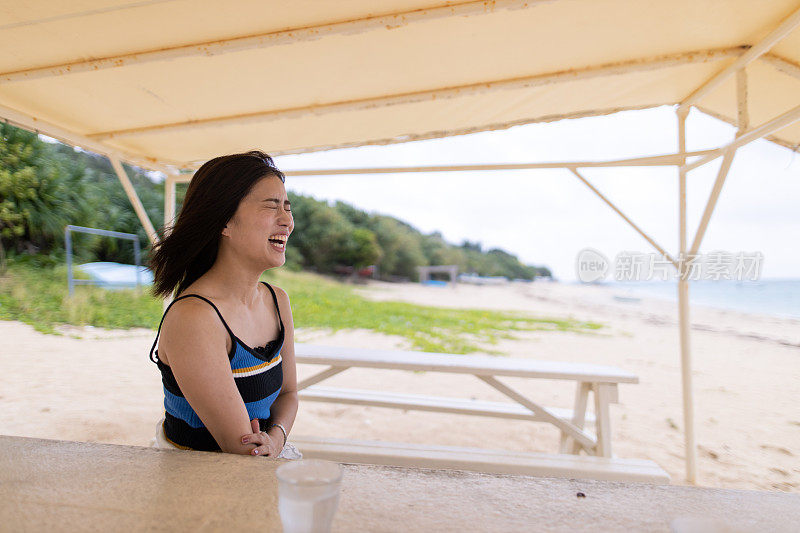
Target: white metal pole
x,y
767,128
169,203
38,125
722,175
690,448
743,113
169,217
134,198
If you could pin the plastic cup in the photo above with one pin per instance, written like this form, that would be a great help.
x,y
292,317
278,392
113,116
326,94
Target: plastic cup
x,y
308,494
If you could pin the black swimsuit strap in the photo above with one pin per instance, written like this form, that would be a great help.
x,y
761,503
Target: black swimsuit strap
x,y
275,298
155,342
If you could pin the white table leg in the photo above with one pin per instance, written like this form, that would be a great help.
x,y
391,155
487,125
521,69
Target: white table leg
x,y
568,445
603,395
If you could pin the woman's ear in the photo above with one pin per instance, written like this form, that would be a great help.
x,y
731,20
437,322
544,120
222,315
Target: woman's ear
x,y
225,231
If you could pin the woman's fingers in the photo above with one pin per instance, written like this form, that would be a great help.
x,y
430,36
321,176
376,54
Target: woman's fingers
x,y
265,446
262,441
251,437
263,449
254,438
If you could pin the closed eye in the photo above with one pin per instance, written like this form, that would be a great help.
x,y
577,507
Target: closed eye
x,y
275,202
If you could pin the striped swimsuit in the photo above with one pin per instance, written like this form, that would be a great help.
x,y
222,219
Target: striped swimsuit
x,y
258,375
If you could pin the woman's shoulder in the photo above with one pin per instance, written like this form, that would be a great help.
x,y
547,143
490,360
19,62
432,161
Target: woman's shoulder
x,y
191,305
191,326
281,294
190,313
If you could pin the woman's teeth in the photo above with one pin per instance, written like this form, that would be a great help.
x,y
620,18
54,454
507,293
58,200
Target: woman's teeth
x,y
278,241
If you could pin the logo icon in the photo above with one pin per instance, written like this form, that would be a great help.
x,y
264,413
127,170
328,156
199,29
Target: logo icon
x,y
591,265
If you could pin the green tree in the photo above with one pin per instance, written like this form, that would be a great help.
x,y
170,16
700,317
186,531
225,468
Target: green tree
x,y
402,251
357,217
361,249
319,233
40,192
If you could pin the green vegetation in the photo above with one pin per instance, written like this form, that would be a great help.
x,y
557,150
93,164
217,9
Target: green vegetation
x,y
45,186
33,290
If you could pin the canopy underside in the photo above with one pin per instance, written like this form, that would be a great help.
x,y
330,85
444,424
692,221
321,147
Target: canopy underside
x,y
186,80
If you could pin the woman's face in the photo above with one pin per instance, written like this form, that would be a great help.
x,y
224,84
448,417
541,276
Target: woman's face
x,y
258,230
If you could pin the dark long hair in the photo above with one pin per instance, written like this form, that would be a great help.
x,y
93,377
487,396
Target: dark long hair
x,y
214,193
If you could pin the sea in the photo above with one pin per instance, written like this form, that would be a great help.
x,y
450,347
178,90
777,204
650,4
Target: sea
x,y
776,297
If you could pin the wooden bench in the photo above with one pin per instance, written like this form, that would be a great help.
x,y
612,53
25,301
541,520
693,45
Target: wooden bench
x,y
601,381
481,460
440,404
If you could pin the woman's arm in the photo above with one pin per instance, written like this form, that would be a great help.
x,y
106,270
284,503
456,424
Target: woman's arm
x,y
194,341
284,408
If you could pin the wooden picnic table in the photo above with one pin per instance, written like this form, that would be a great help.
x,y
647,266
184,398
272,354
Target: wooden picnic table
x,y
49,485
602,381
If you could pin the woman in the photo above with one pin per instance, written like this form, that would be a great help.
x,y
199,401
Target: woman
x,y
230,384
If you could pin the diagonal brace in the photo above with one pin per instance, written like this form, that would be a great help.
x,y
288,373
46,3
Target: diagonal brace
x,y
583,438
624,217
727,159
316,378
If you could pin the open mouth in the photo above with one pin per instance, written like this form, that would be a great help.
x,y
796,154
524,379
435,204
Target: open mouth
x,y
278,242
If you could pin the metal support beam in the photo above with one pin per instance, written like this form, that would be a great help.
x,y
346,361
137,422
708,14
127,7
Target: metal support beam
x,y
611,69
134,198
777,123
742,113
727,159
684,330
782,30
625,218
31,123
743,123
169,202
650,161
784,65
263,40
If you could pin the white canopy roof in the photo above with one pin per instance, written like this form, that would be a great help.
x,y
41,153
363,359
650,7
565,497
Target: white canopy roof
x,y
176,82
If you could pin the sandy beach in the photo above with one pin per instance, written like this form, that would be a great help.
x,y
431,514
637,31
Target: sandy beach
x,y
99,385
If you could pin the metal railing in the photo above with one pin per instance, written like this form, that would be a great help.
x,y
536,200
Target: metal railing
x,y
137,254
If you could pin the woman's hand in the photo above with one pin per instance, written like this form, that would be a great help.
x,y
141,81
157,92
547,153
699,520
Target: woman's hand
x,y
265,445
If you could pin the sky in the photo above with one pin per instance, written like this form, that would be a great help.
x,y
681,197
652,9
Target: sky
x,y
545,217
